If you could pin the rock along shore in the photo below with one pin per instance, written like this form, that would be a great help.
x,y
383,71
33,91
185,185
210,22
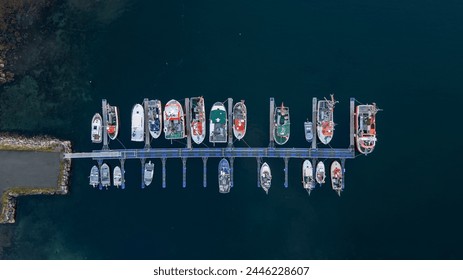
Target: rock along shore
x,y
13,142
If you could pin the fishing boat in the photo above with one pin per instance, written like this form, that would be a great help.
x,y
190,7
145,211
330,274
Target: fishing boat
x,y
365,128
97,129
320,173
239,120
308,131
307,176
138,129
325,123
105,176
148,173
265,177
94,176
174,120
112,121
218,124
198,119
155,118
281,123
224,176
336,177
117,177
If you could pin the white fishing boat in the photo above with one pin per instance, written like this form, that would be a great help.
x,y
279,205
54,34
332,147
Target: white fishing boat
x,y
308,131
307,176
155,118
265,177
337,178
97,129
138,130
117,177
148,173
320,173
105,176
94,176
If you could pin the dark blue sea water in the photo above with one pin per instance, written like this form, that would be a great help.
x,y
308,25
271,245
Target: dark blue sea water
x,y
401,202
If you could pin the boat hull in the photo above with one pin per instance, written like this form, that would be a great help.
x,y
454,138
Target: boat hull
x,y
239,120
308,182
224,176
265,177
337,180
198,119
155,118
94,176
308,131
320,173
174,120
97,129
365,128
112,120
138,131
218,124
117,176
325,120
148,173
282,125
105,175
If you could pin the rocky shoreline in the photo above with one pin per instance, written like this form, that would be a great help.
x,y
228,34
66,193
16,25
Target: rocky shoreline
x,y
34,144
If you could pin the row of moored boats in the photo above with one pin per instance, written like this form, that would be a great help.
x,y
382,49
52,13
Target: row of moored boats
x,y
171,121
102,176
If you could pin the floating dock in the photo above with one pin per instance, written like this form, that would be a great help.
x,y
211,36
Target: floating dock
x,y
228,152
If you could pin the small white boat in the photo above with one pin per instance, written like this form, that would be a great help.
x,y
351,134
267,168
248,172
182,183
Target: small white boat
x,y
97,129
308,131
265,177
307,176
320,173
148,173
138,130
337,180
117,177
105,176
94,176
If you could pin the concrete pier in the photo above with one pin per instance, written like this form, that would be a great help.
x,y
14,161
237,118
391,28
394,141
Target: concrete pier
x,y
314,123
230,122
352,124
187,124
142,160
204,172
272,109
147,129
184,172
123,173
163,160
104,111
231,171
286,171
